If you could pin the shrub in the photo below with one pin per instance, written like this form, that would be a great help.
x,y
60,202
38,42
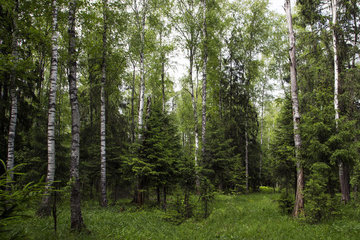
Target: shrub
x,y
286,202
319,204
13,200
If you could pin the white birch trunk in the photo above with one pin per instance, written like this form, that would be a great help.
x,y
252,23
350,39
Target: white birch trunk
x,y
14,103
75,208
45,208
336,63
246,159
11,138
196,130
142,71
104,200
261,132
203,127
132,105
299,201
162,75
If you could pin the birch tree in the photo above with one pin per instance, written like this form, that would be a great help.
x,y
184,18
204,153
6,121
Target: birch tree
x,y
186,24
13,95
104,200
142,66
204,72
343,178
45,208
76,216
299,201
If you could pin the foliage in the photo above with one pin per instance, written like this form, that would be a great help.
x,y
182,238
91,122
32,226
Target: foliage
x,y
319,205
14,199
252,216
286,202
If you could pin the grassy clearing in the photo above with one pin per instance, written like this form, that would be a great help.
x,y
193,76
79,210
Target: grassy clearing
x,y
253,216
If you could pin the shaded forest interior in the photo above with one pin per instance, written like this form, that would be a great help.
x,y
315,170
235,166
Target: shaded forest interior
x,y
176,105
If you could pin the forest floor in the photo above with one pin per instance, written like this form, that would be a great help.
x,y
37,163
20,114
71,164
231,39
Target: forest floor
x,y
253,216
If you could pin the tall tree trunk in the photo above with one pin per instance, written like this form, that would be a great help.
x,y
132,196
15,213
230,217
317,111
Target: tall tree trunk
x,y
132,106
139,194
142,70
204,71
162,74
343,177
299,201
104,200
356,31
164,198
246,157
91,90
13,96
196,130
261,132
77,222
45,208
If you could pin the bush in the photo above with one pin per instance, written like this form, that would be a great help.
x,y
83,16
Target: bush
x,y
13,200
182,208
319,205
286,202
266,189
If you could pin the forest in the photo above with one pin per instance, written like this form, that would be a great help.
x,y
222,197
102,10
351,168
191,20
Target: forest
x,y
179,119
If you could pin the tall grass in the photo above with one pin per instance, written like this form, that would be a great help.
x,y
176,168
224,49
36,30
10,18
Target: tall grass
x,y
253,216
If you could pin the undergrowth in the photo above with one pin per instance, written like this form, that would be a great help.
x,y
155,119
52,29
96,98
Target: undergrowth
x,y
253,216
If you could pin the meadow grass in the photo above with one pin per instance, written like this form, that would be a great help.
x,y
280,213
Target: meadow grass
x,y
253,216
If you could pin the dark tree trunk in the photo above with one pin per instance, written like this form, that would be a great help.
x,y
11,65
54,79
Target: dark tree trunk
x,y
104,201
343,173
158,195
76,216
164,198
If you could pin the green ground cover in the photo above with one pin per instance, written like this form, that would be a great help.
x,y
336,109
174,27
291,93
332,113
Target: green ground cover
x,y
253,216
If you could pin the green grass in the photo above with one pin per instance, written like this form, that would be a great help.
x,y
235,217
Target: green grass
x,y
254,216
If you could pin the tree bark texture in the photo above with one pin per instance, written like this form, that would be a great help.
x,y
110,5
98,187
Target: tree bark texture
x,y
196,130
261,133
132,106
45,208
13,96
299,200
75,208
142,70
246,159
104,200
162,75
204,71
343,178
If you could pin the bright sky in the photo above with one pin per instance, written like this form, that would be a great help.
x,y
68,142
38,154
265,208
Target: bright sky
x,y
277,5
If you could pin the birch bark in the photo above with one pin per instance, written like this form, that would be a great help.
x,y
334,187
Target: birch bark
x,y
142,69
196,130
246,158
204,72
45,208
13,96
104,200
299,201
77,222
